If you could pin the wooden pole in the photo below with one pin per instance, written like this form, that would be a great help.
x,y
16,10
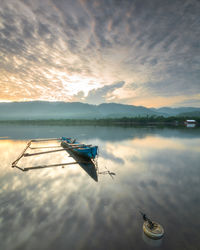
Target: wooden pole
x,y
47,139
46,147
47,166
21,155
77,147
45,152
76,144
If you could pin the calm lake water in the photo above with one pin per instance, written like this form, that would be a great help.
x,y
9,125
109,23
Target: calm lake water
x,y
157,170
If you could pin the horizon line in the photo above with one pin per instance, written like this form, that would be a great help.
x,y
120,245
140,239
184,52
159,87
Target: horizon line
x,y
50,101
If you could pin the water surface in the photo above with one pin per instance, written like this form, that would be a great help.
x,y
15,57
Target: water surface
x,y
157,170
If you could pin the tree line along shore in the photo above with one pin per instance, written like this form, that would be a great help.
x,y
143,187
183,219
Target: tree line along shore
x,y
149,120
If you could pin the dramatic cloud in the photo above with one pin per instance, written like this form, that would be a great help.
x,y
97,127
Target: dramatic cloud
x,y
78,51
103,94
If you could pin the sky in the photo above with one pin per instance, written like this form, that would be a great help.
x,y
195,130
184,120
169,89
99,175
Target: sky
x,y
136,52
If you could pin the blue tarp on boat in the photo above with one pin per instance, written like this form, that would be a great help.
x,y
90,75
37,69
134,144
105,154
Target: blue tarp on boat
x,y
86,151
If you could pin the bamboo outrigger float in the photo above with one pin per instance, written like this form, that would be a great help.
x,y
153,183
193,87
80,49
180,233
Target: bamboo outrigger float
x,y
72,147
86,151
28,146
83,154
66,143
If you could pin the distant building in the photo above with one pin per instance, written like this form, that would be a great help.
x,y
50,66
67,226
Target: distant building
x,y
190,123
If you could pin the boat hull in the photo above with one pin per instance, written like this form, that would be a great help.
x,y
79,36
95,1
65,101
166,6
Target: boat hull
x,y
85,152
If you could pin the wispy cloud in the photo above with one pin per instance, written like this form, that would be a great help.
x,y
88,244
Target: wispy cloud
x,y
54,50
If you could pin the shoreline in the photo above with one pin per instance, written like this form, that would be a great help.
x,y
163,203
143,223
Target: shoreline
x,y
136,121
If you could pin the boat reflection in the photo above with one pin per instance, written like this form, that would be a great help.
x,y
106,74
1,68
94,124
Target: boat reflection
x,y
87,165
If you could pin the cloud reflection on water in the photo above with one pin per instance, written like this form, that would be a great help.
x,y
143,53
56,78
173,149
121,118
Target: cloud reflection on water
x,y
64,208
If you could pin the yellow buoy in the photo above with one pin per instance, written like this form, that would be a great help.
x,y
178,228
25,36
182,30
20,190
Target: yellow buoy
x,y
155,232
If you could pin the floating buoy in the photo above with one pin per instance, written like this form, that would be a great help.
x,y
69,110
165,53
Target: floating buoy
x,y
155,232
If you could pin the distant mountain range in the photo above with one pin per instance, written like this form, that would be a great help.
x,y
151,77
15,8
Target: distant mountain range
x,y
75,110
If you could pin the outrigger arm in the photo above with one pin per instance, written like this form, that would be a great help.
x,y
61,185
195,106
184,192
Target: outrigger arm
x,y
47,166
28,146
23,154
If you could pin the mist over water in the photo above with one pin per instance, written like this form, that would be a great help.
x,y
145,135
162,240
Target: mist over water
x,y
157,171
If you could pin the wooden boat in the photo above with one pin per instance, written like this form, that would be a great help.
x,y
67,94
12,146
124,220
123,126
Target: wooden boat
x,y
88,152
83,155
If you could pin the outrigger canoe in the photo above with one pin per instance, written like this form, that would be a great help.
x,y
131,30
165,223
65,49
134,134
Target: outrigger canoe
x,y
88,152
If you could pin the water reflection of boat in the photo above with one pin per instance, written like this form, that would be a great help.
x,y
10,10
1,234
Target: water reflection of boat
x,y
87,165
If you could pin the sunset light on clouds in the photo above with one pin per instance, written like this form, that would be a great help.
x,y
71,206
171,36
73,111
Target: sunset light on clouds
x,y
131,52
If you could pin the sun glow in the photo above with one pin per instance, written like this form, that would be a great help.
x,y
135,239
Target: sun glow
x,y
84,84
74,83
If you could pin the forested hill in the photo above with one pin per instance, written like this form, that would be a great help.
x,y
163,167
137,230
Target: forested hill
x,y
76,110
